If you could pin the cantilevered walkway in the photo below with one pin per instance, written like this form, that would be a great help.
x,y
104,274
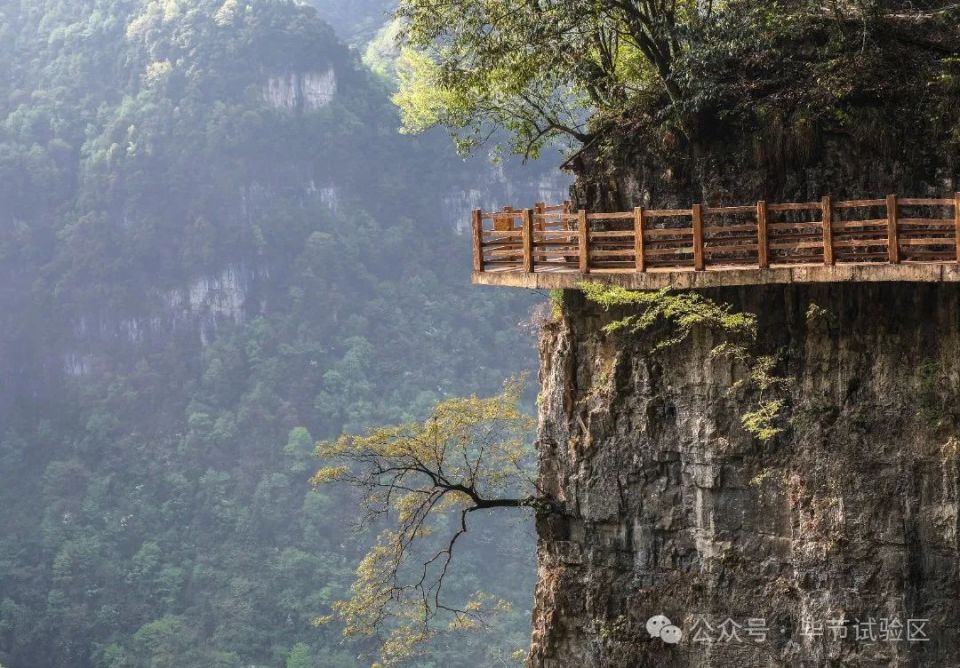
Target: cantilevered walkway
x,y
890,239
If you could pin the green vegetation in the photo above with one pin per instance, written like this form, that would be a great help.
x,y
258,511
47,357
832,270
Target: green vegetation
x,y
677,74
197,283
676,315
683,311
469,455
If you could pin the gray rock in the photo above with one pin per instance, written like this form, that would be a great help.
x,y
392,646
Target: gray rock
x,y
671,507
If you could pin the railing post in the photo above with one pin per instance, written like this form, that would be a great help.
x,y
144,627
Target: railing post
x,y
538,211
893,242
584,241
763,244
476,224
641,261
826,205
528,240
697,214
956,221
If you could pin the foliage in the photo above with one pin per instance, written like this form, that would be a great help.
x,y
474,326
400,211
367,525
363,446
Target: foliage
x,y
682,313
470,454
196,285
680,70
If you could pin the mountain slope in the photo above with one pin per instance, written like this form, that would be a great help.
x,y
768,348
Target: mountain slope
x,y
214,248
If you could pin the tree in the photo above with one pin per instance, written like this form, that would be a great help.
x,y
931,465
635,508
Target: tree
x,y
558,68
470,454
300,657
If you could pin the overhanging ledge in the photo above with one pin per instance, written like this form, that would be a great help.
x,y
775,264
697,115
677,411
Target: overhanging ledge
x,y
690,279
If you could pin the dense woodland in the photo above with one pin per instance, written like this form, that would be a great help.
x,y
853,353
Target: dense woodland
x,y
195,286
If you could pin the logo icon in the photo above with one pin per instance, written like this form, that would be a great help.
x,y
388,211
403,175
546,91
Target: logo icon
x,y
659,626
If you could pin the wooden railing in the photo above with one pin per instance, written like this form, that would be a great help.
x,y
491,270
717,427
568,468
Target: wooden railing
x,y
554,238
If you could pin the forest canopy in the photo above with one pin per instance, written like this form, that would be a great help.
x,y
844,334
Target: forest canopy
x,y
674,70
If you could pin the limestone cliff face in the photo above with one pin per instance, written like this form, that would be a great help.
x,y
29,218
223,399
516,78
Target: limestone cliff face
x,y
307,91
670,507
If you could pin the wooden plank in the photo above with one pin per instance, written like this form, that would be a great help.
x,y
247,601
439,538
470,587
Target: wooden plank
x,y
827,208
763,241
719,229
680,231
956,221
619,215
813,227
667,213
612,234
924,201
698,259
638,222
584,241
552,237
555,253
476,222
528,240
859,243
729,210
611,253
738,239
925,222
730,249
859,203
491,248
506,252
794,206
568,243
686,250
939,241
807,236
795,245
893,246
669,246
858,224
939,234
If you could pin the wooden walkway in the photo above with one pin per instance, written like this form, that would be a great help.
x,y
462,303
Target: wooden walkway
x,y
890,239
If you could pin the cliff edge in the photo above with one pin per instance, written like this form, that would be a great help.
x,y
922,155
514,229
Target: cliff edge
x,y
833,543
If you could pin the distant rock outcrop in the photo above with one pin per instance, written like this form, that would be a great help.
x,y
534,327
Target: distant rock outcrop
x,y
301,91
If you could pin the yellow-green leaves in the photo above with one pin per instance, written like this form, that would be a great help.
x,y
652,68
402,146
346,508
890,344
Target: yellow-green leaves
x,y
684,311
469,454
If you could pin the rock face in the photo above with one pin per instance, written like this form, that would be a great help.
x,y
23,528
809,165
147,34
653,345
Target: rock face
x,y
732,173
670,507
306,91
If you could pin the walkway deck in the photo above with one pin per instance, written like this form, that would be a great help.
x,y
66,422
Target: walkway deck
x,y
891,239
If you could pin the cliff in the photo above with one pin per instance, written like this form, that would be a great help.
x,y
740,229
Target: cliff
x,y
670,507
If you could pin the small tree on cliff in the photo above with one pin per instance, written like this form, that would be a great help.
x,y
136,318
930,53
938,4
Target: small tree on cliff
x,y
470,454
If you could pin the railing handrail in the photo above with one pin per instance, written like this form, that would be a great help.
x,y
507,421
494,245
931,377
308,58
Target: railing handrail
x,y
554,237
